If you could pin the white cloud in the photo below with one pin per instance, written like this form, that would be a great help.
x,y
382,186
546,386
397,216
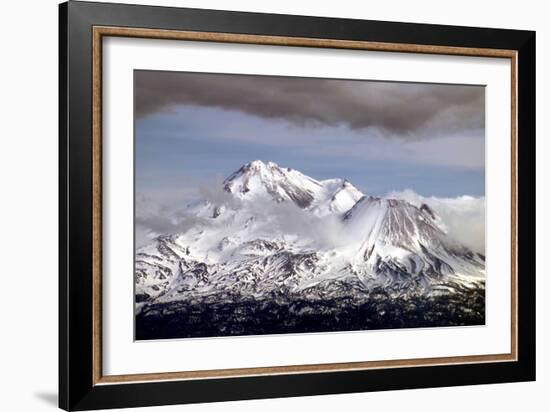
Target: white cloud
x,y
462,151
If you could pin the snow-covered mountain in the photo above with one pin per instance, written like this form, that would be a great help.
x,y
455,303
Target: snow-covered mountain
x,y
267,180
274,232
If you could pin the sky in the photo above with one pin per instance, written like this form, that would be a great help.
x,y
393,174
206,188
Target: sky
x,y
194,129
409,140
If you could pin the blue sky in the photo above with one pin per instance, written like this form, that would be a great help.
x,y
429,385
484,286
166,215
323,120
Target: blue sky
x,y
182,144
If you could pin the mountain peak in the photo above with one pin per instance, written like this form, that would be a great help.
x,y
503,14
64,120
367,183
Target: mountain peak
x,y
255,167
259,164
368,203
256,163
268,179
392,229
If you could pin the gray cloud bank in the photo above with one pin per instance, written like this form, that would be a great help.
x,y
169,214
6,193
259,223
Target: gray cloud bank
x,y
407,110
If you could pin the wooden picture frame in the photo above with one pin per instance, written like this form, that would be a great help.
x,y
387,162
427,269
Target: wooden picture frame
x,y
82,384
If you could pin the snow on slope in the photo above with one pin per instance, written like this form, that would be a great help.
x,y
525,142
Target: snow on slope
x,y
402,242
281,232
462,215
267,180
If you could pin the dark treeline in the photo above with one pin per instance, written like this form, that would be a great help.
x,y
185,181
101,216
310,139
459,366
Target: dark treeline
x,y
259,317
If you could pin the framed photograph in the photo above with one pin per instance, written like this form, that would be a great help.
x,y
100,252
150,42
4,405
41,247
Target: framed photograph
x,y
256,206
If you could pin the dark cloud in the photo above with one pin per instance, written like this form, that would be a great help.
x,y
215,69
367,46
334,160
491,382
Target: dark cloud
x,y
398,109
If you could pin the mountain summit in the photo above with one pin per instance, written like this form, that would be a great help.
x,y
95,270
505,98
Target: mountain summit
x,y
268,180
283,234
258,178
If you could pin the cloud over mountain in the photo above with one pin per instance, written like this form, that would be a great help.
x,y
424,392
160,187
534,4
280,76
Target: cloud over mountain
x,y
403,110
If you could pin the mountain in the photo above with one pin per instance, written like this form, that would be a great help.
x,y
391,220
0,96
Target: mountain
x,y
275,234
405,244
267,180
